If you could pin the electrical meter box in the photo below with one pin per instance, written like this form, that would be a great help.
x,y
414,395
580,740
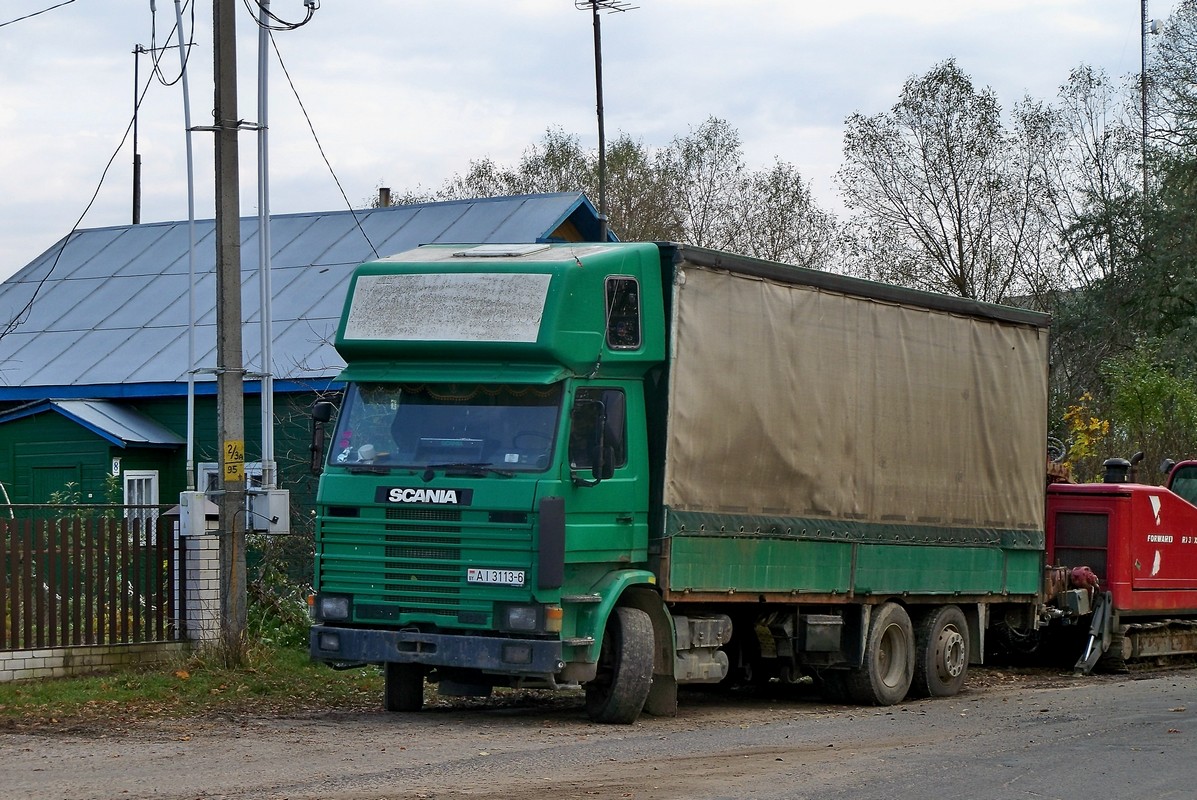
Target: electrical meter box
x,y
269,511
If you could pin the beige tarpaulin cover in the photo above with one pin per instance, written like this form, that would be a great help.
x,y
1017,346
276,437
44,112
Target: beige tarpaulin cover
x,y
791,400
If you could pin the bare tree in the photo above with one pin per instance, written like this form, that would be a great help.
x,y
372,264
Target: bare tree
x,y
775,217
696,190
940,180
705,168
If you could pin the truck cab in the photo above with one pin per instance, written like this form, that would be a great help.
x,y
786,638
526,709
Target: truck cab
x,y
488,390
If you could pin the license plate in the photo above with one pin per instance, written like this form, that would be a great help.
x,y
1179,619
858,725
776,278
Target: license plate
x,y
503,577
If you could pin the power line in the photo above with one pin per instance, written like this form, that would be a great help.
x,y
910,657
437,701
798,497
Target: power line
x,y
23,314
156,52
320,147
280,24
36,13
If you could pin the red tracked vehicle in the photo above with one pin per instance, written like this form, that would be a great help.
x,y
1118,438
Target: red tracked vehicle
x,y
1141,543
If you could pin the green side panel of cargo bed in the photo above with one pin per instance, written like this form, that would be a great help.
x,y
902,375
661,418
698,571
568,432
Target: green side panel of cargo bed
x,y
715,553
894,569
1024,571
719,563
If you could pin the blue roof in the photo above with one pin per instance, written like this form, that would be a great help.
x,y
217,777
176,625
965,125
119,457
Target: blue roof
x,y
119,424
109,309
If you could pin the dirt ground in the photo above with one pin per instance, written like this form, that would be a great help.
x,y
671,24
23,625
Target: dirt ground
x,y
780,743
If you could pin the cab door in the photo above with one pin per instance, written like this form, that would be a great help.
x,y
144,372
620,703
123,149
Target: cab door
x,y
607,495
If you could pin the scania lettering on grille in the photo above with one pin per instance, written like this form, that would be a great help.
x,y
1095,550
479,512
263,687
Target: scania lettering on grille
x,y
423,496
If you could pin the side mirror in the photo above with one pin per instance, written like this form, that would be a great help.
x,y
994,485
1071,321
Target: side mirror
x,y
321,414
587,442
604,465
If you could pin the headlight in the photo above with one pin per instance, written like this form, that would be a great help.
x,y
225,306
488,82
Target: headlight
x,y
520,618
331,606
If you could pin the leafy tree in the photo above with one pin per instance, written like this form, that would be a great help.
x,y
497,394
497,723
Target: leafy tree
x,y
639,193
1153,402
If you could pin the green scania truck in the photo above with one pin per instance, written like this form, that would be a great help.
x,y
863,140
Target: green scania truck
x,y
629,466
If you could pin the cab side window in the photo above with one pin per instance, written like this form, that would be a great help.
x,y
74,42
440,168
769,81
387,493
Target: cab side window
x,y
595,408
623,313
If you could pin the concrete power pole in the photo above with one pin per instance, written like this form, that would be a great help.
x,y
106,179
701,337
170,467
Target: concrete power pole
x,y
230,400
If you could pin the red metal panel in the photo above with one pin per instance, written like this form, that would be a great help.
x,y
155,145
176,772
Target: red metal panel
x,y
1151,557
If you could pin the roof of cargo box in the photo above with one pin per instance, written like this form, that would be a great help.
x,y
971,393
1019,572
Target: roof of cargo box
x,y
843,284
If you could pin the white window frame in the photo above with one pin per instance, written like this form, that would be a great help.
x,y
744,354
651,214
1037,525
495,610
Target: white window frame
x,y
140,488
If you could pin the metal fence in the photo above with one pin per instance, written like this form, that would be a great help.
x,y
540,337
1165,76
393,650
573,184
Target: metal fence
x,y
89,575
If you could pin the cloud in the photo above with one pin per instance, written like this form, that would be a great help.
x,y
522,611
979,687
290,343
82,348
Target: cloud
x,y
408,93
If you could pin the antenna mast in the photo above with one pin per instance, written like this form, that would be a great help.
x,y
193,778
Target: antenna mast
x,y
594,6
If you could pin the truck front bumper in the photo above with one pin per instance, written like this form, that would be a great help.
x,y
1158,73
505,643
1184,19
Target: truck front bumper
x,y
501,656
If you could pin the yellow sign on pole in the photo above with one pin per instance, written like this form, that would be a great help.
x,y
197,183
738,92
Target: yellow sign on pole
x,y
234,460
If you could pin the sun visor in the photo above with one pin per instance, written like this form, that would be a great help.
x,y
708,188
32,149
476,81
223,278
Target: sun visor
x,y
539,374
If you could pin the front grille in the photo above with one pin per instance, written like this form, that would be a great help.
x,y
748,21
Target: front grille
x,y
430,514
417,551
416,558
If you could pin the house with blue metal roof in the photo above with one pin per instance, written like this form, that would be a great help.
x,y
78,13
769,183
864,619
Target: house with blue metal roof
x,y
95,336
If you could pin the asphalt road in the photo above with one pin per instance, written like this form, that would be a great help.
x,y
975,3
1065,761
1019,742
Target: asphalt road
x,y
1003,738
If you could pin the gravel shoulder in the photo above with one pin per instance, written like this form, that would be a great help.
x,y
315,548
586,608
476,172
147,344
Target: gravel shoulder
x,y
790,743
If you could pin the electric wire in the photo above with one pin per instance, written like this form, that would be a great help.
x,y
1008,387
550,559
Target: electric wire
x,y
23,314
157,52
357,221
281,24
36,13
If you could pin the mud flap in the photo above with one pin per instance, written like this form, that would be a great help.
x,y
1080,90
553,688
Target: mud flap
x,y
662,697
1099,634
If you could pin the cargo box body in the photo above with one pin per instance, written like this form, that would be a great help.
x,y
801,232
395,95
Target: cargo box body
x,y
837,438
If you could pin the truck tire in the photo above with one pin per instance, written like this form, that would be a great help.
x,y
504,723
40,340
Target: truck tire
x,y
625,669
884,676
941,653
403,687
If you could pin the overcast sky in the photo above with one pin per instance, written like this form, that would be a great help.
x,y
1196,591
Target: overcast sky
x,y
403,93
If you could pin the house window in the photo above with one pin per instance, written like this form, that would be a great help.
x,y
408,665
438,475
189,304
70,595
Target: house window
x,y
141,499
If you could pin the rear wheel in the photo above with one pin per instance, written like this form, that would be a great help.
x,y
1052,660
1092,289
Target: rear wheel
x,y
403,689
625,669
888,668
941,653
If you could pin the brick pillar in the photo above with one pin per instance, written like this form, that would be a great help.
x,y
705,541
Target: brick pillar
x,y
201,606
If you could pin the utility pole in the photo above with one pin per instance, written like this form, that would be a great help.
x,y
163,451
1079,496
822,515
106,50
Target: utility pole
x,y
137,51
230,399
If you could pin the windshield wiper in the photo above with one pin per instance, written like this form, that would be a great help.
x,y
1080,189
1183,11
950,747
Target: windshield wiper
x,y
476,468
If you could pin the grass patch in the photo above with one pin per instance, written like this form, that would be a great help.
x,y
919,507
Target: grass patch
x,y
274,681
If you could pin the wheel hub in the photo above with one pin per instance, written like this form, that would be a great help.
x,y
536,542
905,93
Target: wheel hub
x,y
950,649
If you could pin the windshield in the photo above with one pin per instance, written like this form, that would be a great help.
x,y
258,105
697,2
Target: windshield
x,y
505,427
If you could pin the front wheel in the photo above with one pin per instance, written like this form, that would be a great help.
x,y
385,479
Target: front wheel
x,y
941,659
403,688
888,668
625,669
